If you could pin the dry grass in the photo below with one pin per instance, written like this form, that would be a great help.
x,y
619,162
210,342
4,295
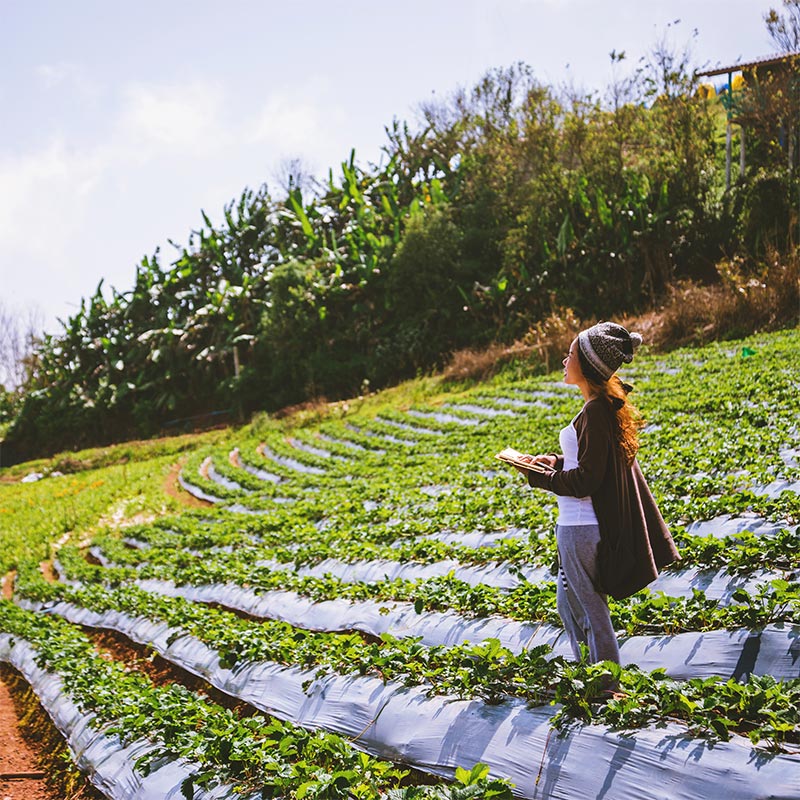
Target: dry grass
x,y
545,343
476,364
315,408
743,302
550,339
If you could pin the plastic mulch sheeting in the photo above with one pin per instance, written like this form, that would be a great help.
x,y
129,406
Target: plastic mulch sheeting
x,y
774,651
228,483
469,539
259,473
311,449
693,654
197,492
717,584
289,463
481,411
104,759
729,525
498,575
408,426
440,416
438,734
514,401
344,442
776,488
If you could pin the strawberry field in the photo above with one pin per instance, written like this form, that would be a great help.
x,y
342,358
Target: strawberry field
x,y
366,602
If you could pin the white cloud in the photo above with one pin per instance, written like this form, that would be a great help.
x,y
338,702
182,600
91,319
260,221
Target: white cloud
x,y
53,75
179,118
44,195
308,123
284,122
65,76
46,192
72,210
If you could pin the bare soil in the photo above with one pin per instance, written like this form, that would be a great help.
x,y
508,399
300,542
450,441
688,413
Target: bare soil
x,y
48,573
19,757
116,646
174,489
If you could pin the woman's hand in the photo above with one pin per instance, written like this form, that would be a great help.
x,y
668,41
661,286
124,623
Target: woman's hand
x,y
543,459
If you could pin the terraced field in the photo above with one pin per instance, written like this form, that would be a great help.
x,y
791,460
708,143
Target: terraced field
x,y
364,606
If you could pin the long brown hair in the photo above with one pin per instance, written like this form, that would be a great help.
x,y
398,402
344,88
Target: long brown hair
x,y
615,393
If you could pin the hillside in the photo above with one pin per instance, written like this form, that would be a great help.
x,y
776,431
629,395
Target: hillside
x,y
356,601
502,206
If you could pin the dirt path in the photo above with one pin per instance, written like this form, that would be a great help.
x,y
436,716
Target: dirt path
x,y
18,758
174,489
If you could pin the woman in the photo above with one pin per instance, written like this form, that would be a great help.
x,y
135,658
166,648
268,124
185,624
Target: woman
x,y
610,535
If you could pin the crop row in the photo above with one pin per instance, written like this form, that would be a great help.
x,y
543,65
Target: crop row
x,y
395,488
760,706
751,544
252,752
777,601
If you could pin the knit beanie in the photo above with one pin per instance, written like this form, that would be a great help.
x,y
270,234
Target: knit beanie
x,y
606,346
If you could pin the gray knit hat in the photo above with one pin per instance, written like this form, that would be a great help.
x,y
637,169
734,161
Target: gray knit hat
x,y
606,346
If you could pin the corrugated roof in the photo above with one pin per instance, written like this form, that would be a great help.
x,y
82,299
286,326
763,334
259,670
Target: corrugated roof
x,y
758,62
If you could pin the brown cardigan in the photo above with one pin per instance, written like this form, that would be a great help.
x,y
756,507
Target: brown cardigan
x,y
635,542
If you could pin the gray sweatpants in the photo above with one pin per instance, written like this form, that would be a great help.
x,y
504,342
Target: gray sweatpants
x,y
583,610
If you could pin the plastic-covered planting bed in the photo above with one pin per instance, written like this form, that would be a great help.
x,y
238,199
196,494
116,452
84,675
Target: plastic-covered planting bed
x,y
776,488
409,426
108,763
236,508
438,734
475,539
717,584
791,456
240,508
440,416
515,402
469,539
211,473
289,463
774,651
355,446
558,392
498,575
663,369
481,411
261,474
436,489
383,437
197,492
319,452
729,525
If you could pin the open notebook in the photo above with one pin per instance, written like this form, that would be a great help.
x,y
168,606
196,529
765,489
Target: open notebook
x,y
517,459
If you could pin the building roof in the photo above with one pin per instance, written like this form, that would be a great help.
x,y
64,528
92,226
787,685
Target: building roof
x,y
758,62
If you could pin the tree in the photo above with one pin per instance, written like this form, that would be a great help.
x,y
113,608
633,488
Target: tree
x,y
293,174
769,107
20,332
784,29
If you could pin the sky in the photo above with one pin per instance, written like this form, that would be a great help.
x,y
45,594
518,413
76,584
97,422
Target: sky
x,y
121,121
